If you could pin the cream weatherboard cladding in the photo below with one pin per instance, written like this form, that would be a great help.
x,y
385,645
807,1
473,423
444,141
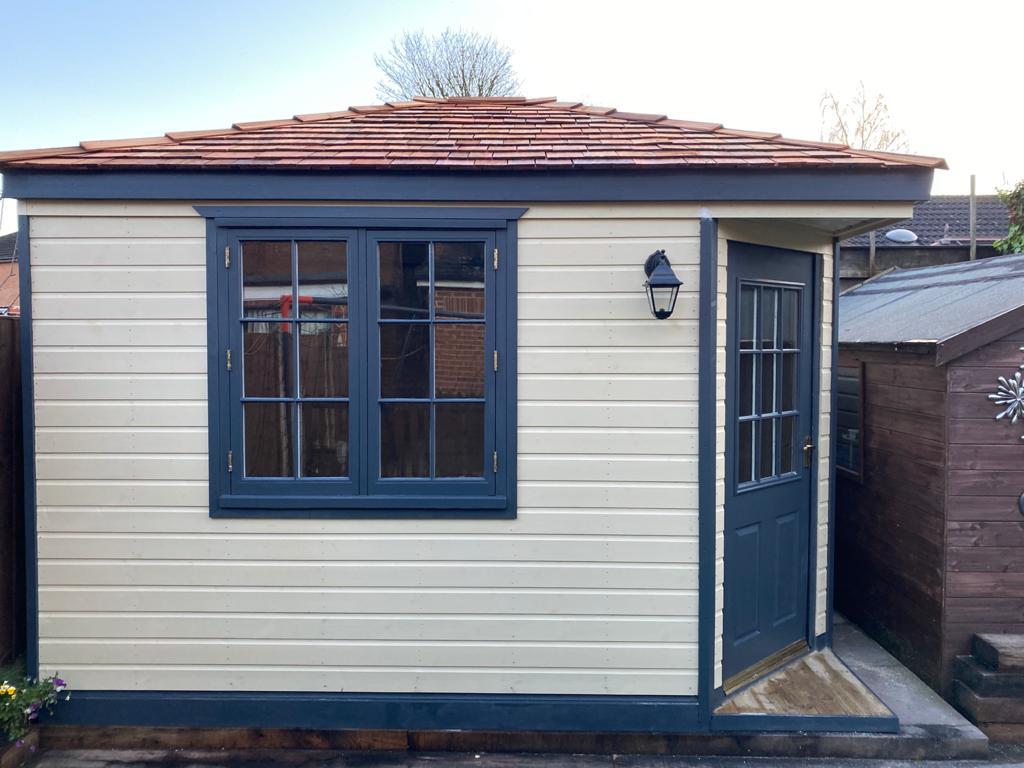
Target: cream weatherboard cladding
x,y
592,590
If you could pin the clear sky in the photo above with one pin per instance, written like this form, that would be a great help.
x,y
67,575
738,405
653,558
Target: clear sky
x,y
97,69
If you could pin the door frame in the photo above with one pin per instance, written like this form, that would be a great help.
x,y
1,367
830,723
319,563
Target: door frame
x,y
816,291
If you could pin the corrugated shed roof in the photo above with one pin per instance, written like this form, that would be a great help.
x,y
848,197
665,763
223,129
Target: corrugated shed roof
x,y
944,220
511,133
931,304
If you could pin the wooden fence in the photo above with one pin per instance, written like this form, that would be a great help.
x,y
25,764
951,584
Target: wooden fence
x,y
12,530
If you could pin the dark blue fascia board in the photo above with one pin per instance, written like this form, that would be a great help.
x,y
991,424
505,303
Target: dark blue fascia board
x,y
803,724
893,184
707,408
28,422
385,711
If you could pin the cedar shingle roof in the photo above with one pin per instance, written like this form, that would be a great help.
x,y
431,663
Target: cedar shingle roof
x,y
496,133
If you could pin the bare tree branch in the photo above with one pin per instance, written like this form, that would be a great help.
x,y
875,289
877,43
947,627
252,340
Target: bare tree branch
x,y
454,63
863,122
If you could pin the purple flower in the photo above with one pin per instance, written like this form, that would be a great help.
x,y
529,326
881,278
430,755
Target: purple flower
x,y
59,684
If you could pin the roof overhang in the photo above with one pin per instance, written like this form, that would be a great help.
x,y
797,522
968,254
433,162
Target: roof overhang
x,y
906,184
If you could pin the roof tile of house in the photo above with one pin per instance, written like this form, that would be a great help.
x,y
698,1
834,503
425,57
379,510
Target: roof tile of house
x,y
495,133
945,220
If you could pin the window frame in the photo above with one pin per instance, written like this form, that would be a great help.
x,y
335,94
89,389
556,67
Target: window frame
x,y
842,470
232,495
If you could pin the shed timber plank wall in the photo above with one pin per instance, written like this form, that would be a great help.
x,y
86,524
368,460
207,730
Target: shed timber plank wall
x,y
592,590
984,556
889,543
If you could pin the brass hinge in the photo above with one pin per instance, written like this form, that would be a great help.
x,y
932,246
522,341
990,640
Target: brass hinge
x,y
231,461
495,359
494,462
227,257
495,258
227,359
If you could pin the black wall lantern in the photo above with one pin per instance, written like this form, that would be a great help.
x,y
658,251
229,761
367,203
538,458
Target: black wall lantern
x,y
662,285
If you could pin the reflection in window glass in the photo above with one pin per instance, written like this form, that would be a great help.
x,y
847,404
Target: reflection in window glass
x,y
849,419
790,319
323,359
460,439
404,280
769,318
745,454
459,360
404,360
324,447
267,278
268,440
459,280
323,279
748,310
405,440
268,365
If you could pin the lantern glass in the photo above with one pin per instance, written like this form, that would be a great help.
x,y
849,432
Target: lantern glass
x,y
662,300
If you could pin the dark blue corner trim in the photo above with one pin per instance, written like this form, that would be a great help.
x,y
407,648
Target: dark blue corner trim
x,y
892,184
409,711
707,429
28,423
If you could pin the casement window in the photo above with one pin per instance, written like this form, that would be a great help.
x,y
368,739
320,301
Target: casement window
x,y
365,364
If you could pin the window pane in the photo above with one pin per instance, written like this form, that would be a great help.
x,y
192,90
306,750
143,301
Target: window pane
x,y
324,440
323,359
459,360
459,280
268,440
268,368
789,380
266,278
460,439
404,281
790,320
745,460
746,402
748,309
769,315
323,279
768,399
405,440
787,446
769,427
404,360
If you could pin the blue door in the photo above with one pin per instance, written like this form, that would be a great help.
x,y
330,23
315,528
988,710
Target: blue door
x,y
769,452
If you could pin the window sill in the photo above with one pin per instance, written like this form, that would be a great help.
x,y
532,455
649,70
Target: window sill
x,y
454,507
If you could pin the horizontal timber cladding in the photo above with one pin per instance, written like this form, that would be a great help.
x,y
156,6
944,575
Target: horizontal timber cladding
x,y
592,590
984,557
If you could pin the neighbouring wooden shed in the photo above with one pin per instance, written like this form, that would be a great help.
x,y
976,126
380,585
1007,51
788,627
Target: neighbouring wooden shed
x,y
930,533
366,419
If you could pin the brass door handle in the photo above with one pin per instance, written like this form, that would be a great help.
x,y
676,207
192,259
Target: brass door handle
x,y
808,450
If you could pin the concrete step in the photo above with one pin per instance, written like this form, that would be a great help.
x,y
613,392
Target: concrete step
x,y
985,681
1004,653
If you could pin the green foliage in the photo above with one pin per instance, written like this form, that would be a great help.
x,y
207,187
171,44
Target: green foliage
x,y
22,700
1013,199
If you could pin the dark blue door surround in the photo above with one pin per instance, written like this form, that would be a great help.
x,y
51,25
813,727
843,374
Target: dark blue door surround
x,y
769,416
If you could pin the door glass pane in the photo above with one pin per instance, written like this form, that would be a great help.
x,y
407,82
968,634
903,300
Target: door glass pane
x,y
789,380
323,279
787,444
768,393
790,319
404,360
323,359
460,439
266,278
405,440
268,365
747,374
324,446
459,360
404,280
769,428
268,440
459,280
748,309
745,454
769,318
